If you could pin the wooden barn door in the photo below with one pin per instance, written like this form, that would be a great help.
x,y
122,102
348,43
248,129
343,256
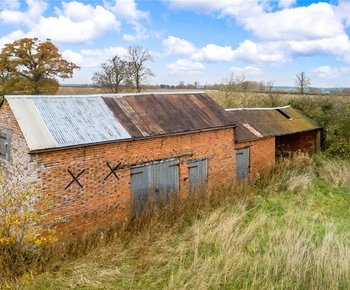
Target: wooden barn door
x,y
198,174
242,164
153,181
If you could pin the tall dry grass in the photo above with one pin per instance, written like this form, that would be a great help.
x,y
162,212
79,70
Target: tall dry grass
x,y
284,231
230,252
336,172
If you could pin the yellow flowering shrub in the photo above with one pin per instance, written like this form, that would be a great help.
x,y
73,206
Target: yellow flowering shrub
x,y
22,216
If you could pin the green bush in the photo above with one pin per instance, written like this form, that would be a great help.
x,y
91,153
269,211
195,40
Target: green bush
x,y
332,113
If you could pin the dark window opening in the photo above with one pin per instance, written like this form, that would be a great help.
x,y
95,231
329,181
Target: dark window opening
x,y
5,142
284,114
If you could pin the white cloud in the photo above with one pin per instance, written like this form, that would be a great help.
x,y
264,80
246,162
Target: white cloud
x,y
187,66
317,20
174,45
302,23
286,3
209,53
343,11
214,53
35,9
75,21
281,30
253,52
240,8
140,33
333,45
247,51
127,10
327,72
246,71
76,11
9,4
93,57
17,34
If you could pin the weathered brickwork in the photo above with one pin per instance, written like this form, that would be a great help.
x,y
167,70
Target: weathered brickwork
x,y
101,201
20,160
262,155
308,142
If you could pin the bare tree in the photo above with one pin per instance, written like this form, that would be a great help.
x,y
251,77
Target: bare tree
x,y
302,82
115,72
230,88
269,86
137,59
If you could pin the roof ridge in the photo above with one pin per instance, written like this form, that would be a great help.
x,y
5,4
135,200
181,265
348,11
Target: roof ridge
x,y
119,95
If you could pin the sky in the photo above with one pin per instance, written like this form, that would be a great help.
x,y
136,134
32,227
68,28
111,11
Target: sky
x,y
202,41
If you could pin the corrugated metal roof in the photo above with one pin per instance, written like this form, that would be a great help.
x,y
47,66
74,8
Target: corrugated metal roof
x,y
74,121
32,125
53,122
159,114
269,122
50,122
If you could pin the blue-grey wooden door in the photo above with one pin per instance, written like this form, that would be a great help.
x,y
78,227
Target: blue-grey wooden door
x,y
153,180
242,164
198,174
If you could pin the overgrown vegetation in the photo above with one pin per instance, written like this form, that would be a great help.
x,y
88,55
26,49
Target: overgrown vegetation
x,y
289,230
22,230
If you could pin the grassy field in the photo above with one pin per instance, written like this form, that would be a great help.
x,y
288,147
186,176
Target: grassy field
x,y
289,230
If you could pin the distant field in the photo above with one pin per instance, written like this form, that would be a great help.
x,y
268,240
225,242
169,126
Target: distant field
x,y
75,90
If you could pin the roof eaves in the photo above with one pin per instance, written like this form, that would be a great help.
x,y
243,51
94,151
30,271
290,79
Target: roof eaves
x,y
296,132
254,139
258,109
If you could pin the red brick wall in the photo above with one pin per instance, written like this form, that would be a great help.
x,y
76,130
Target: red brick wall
x,y
102,201
262,155
308,142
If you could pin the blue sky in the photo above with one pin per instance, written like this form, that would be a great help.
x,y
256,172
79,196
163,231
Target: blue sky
x,y
195,40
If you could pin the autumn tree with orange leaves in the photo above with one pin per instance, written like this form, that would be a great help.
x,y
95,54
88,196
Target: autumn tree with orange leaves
x,y
31,66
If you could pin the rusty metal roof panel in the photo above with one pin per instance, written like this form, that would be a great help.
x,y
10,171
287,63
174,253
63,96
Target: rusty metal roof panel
x,y
161,114
269,122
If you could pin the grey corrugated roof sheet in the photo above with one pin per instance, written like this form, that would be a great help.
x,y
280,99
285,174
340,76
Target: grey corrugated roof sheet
x,y
50,122
257,123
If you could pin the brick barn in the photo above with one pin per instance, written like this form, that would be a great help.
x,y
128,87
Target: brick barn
x,y
95,155
262,134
